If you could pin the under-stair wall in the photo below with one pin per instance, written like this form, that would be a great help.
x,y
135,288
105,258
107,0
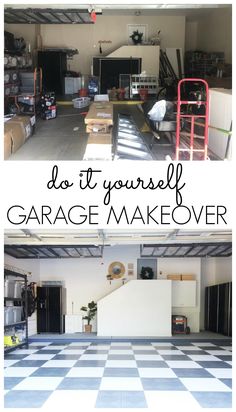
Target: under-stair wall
x,y
139,308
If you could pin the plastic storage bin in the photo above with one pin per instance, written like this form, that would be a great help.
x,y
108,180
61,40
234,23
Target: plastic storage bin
x,y
17,311
8,315
17,289
12,289
81,102
9,286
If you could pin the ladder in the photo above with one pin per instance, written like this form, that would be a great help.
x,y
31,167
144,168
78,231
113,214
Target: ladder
x,y
189,143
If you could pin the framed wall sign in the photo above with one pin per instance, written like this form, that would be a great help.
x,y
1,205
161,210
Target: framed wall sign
x,y
146,269
140,28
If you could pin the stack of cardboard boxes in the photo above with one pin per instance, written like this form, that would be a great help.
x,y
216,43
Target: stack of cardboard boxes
x,y
17,129
99,122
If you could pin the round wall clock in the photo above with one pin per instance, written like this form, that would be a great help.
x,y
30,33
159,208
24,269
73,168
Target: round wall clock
x,y
116,270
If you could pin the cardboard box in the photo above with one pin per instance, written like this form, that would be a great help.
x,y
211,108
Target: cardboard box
x,y
17,131
100,138
100,113
22,129
99,147
174,277
27,123
7,145
188,277
97,128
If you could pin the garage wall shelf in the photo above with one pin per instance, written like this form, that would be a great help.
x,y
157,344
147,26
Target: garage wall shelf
x,y
27,93
170,250
201,64
20,319
47,16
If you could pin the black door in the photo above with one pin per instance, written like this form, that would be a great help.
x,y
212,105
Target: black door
x,y
42,323
213,308
230,310
223,318
54,66
207,303
54,309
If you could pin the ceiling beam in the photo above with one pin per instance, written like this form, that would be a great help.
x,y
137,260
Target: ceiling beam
x,y
45,18
15,16
54,252
80,17
64,249
30,234
174,254
69,18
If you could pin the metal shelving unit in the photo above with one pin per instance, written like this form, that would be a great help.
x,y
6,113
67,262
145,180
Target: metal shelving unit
x,y
202,64
33,95
11,274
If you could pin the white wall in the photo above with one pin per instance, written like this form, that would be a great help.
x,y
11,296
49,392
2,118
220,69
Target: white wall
x,y
85,37
29,265
184,266
139,308
191,35
23,30
223,270
215,32
85,279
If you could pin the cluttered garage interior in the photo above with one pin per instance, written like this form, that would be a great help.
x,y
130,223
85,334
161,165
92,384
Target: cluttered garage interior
x,y
110,82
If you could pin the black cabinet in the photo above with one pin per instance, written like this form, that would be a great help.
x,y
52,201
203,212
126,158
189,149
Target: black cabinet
x,y
54,66
218,308
51,309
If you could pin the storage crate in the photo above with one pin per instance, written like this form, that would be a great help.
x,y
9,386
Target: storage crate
x,y
12,289
72,85
9,289
8,315
17,311
81,102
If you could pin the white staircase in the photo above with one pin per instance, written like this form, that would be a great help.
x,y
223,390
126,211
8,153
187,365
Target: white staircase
x,y
139,308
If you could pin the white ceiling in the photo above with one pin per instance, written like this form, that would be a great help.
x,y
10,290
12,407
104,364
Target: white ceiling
x,y
113,237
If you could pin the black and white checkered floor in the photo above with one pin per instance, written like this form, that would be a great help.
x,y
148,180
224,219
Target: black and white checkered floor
x,y
120,375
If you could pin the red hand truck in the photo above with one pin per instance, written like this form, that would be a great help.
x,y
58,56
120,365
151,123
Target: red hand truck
x,y
190,145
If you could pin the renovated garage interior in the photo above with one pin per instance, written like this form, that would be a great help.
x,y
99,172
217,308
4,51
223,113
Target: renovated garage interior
x,y
80,82
159,303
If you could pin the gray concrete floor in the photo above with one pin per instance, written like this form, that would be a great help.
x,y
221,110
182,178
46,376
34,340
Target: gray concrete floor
x,y
64,138
201,336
